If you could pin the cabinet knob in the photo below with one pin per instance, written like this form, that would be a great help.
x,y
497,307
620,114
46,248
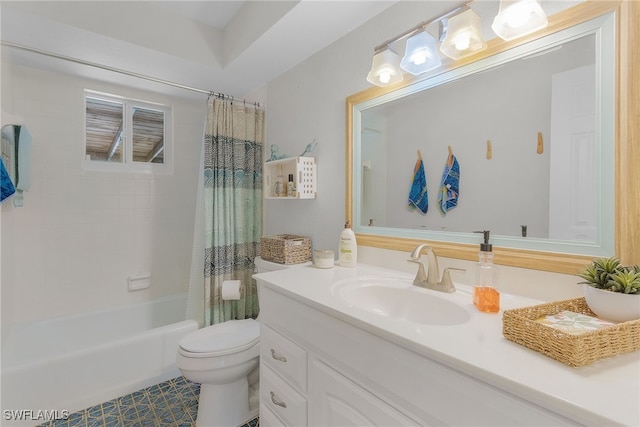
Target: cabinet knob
x,y
276,401
278,357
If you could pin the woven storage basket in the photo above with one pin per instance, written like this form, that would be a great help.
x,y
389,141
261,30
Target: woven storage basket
x,y
285,248
520,326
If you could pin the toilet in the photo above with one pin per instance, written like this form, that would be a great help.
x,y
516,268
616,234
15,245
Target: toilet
x,y
223,358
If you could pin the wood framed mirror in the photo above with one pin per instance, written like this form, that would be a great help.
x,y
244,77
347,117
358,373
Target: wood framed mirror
x,y
623,204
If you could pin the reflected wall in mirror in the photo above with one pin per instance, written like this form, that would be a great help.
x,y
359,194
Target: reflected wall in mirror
x,y
560,186
551,92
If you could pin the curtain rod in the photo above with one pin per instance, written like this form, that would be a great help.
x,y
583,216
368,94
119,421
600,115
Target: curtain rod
x,y
121,71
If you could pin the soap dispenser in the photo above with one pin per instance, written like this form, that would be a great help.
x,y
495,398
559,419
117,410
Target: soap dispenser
x,y
348,250
486,296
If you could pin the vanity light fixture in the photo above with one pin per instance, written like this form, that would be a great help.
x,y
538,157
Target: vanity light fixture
x,y
462,35
517,18
421,54
385,68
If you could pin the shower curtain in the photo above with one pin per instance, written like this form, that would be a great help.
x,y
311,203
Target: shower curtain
x,y
231,175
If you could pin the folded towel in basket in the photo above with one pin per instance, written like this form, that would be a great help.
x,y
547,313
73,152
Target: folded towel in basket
x,y
418,196
449,185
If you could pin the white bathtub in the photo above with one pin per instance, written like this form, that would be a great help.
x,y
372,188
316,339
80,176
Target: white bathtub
x,y
77,361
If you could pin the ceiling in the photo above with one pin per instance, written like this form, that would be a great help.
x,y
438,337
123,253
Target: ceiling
x,y
216,14
232,47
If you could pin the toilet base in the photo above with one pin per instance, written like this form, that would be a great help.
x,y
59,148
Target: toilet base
x,y
223,405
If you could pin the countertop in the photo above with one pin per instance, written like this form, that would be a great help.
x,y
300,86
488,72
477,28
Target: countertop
x,y
605,393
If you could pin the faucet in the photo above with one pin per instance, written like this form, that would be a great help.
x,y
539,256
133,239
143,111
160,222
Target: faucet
x,y
430,279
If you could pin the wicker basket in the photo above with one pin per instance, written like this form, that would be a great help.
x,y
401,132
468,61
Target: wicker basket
x,y
285,248
520,326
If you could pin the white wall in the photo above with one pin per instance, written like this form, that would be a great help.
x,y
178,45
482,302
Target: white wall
x,y
309,102
81,234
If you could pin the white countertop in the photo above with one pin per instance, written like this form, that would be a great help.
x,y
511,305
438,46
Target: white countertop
x,y
605,393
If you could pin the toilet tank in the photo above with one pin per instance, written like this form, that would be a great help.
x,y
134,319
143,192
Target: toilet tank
x,y
263,266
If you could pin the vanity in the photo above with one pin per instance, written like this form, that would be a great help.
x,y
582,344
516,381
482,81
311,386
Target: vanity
x,y
363,346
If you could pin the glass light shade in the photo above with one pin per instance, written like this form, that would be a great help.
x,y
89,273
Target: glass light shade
x,y
385,68
464,35
518,18
421,54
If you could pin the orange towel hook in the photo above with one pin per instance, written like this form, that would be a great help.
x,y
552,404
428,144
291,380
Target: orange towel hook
x,y
540,147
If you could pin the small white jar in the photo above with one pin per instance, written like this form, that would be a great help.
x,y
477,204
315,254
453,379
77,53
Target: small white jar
x,y
323,258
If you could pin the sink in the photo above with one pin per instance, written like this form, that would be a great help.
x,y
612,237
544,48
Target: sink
x,y
397,298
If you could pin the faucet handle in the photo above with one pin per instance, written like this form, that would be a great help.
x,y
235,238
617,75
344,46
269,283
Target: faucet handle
x,y
446,281
421,276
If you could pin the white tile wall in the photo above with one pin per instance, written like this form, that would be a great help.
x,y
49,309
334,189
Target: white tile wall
x,y
80,234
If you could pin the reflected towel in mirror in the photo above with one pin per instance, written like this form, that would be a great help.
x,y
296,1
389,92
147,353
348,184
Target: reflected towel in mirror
x,y
418,196
6,186
449,185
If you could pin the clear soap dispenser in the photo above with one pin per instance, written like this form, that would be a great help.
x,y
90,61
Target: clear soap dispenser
x,y
486,296
279,189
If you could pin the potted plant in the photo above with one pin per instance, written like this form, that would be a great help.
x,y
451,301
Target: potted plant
x,y
612,290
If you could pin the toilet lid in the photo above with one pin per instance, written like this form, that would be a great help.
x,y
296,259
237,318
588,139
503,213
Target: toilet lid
x,y
223,338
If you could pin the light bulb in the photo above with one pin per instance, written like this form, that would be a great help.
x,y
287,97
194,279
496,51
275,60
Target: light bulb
x,y
384,76
463,35
385,68
518,16
463,42
419,58
420,54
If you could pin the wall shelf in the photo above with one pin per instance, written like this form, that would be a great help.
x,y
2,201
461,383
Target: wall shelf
x,y
304,171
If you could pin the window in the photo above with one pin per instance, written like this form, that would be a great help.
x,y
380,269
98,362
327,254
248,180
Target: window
x,y
126,135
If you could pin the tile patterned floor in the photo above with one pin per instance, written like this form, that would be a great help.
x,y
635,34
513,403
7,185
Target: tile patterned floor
x,y
173,403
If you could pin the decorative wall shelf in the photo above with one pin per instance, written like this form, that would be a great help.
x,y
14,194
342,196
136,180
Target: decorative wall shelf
x,y
304,171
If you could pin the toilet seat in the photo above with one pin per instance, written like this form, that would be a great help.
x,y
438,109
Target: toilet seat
x,y
221,339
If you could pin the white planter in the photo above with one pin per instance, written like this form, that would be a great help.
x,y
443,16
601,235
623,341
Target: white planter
x,y
613,306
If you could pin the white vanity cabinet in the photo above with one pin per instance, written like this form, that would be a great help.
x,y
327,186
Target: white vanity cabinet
x,y
283,379
337,373
339,402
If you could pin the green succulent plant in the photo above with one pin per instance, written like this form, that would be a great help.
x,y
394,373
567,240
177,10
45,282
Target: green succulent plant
x,y
610,274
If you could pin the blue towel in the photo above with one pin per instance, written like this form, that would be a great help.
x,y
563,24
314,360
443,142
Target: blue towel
x,y
23,163
418,196
6,186
449,185
23,174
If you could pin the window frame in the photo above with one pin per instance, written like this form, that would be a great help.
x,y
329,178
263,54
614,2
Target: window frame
x,y
129,106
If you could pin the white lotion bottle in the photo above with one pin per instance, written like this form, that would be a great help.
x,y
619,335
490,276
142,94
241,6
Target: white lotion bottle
x,y
348,255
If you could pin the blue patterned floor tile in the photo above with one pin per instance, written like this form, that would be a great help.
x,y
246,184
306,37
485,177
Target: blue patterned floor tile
x,y
172,403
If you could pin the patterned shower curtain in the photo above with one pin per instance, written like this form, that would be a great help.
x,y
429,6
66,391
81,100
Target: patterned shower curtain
x,y
233,142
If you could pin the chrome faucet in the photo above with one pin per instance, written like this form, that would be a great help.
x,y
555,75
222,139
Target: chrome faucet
x,y
430,279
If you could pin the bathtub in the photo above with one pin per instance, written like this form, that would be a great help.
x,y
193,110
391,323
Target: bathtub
x,y
73,362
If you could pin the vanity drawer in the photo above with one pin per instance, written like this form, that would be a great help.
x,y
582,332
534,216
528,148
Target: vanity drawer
x,y
281,399
285,357
268,418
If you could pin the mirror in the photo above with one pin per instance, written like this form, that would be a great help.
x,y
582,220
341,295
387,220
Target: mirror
x,y
526,180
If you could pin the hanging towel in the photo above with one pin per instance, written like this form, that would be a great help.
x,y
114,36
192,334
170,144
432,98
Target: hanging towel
x,y
449,185
23,164
418,196
6,186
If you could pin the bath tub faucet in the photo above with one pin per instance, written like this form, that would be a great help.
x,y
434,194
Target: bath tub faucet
x,y
430,279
